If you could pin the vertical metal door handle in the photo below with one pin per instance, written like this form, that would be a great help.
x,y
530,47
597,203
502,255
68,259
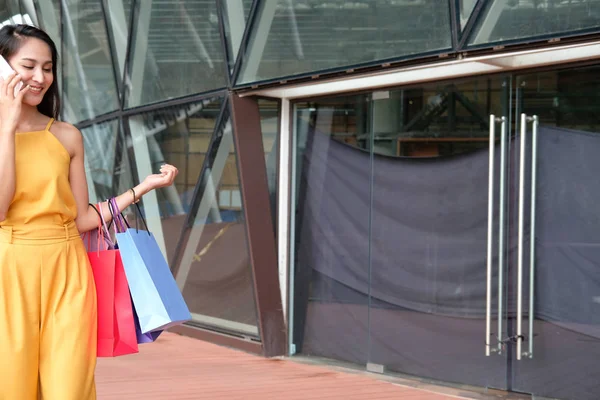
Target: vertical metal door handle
x,y
524,120
490,234
519,337
532,230
488,304
503,141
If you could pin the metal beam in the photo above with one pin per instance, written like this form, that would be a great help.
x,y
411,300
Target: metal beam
x,y
256,42
283,204
236,22
210,179
115,13
143,163
219,338
490,21
467,66
29,9
200,189
257,211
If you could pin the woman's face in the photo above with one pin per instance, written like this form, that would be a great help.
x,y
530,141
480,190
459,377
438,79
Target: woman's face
x,y
33,61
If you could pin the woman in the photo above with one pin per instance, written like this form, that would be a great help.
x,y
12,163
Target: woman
x,y
47,293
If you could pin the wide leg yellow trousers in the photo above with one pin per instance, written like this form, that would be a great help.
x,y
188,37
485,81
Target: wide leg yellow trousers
x,y
47,315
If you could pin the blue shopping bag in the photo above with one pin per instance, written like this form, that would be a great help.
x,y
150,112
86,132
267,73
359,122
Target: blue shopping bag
x,y
157,300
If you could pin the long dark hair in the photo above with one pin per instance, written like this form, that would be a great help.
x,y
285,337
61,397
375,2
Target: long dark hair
x,y
11,39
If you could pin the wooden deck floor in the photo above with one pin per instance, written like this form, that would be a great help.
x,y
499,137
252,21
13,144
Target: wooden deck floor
x,y
177,367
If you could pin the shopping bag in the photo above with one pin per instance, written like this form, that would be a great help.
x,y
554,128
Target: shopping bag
x,y
157,299
144,337
116,325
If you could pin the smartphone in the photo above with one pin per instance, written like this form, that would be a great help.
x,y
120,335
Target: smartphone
x,y
6,70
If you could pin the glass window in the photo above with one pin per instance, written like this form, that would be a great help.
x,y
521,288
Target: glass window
x,y
179,136
428,183
177,51
235,16
293,38
387,185
332,229
247,6
108,168
89,79
214,271
119,14
466,8
435,120
519,19
566,102
269,121
49,19
566,98
15,12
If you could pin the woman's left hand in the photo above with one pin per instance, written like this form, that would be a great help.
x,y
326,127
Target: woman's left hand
x,y
164,178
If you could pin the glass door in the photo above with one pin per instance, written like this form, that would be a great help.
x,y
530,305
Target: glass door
x,y
437,251
555,275
451,230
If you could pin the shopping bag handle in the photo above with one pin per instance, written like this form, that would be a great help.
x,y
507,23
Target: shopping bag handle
x,y
120,219
105,229
137,206
117,216
89,236
97,212
100,215
103,233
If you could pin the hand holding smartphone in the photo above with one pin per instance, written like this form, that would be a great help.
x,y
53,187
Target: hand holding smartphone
x,y
6,70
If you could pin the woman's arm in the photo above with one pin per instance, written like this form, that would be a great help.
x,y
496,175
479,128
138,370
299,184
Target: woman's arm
x,y
87,219
7,170
10,111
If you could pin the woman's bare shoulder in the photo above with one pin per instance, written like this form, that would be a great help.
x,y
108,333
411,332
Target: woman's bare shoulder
x,y
68,135
64,128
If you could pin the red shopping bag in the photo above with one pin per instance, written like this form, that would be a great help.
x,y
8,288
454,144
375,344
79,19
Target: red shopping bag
x,y
116,324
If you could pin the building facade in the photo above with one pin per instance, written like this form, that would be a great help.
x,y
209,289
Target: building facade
x,y
409,186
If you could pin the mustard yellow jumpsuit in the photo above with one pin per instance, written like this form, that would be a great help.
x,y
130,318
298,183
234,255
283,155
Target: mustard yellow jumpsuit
x,y
47,292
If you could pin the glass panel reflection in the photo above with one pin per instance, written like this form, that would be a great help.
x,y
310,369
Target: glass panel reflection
x,y
567,98
15,12
89,80
235,15
108,167
566,280
300,36
176,51
49,19
510,20
466,8
215,272
119,14
179,136
436,120
331,308
428,188
269,121
390,228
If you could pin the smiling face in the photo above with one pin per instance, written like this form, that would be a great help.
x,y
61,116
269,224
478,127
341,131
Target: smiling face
x,y
33,61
